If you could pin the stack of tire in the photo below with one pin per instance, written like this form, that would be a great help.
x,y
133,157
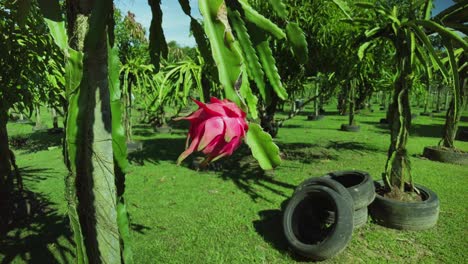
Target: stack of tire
x,y
319,218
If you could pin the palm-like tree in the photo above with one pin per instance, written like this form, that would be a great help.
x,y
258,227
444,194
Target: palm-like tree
x,y
406,27
455,17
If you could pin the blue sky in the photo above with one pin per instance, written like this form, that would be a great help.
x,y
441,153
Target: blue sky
x,y
176,23
440,5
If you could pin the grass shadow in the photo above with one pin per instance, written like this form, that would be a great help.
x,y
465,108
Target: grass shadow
x,y
141,229
270,228
292,126
306,153
36,141
353,146
427,130
32,229
243,170
380,128
158,149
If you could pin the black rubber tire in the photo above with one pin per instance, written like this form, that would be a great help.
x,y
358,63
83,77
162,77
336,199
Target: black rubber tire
x,y
305,227
437,154
162,129
358,183
360,217
462,135
383,121
327,182
406,215
349,128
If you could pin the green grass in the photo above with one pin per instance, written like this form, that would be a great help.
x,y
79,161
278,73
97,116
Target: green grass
x,y
231,214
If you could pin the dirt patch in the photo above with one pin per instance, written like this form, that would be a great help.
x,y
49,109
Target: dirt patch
x,y
398,195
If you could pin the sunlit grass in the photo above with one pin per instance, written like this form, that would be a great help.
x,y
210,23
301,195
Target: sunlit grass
x,y
231,214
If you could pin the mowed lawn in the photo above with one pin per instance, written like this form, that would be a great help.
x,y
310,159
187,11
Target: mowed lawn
x,y
231,213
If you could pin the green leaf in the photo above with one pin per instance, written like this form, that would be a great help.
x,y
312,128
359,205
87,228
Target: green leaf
x,y
73,70
344,7
114,66
445,32
254,68
59,34
262,22
269,66
124,230
263,149
119,148
362,49
72,202
428,45
227,58
454,69
250,99
371,32
73,75
427,9
279,7
54,20
298,42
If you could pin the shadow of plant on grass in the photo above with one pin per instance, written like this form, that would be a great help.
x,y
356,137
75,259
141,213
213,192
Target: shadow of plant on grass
x,y
427,130
36,141
291,126
270,228
158,149
353,146
244,171
420,130
32,229
305,152
141,229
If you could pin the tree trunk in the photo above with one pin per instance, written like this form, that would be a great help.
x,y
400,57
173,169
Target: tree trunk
x,y
91,189
54,118
316,101
268,118
426,98
447,100
351,104
342,103
383,99
6,179
127,113
437,108
38,117
454,113
397,169
205,87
